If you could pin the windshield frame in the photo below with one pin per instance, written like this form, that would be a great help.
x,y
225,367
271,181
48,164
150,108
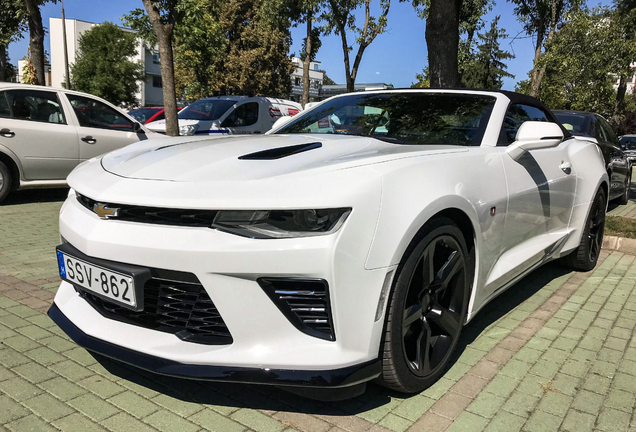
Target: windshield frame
x,y
459,116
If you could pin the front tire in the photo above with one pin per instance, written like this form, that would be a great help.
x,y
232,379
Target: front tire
x,y
427,308
5,181
624,199
584,257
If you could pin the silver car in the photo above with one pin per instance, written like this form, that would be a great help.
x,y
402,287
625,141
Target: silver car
x,y
46,132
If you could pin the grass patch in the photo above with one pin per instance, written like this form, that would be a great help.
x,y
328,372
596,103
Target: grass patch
x,y
620,227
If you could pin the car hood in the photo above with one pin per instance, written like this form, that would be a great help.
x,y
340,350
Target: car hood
x,y
253,158
160,125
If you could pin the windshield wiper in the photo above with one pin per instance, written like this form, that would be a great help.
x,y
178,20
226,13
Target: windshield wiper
x,y
390,139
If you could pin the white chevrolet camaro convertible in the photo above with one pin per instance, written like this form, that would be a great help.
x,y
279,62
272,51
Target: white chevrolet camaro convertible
x,y
351,244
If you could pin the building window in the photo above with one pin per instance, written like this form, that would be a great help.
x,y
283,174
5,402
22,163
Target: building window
x,y
155,58
298,81
156,81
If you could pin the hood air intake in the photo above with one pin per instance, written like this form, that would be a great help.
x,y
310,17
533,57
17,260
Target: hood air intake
x,y
280,152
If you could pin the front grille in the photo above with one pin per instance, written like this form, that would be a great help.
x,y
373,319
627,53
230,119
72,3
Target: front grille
x,y
305,303
180,307
156,215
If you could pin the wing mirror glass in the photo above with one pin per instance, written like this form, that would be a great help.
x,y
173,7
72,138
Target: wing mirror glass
x,y
136,127
534,135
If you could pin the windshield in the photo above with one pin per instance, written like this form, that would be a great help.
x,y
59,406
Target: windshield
x,y
577,124
142,115
403,118
628,143
206,109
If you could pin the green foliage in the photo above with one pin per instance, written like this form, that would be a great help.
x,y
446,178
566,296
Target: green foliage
x,y
584,61
255,57
12,21
316,43
486,69
423,80
103,65
326,80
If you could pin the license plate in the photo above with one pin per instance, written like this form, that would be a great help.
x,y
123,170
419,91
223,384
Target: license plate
x,y
114,286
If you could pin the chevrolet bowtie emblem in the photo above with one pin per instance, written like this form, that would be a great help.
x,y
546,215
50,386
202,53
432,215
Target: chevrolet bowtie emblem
x,y
105,212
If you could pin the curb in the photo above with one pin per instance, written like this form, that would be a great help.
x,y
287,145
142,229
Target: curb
x,y
621,244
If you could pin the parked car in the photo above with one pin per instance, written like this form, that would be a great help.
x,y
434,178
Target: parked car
x,y
628,144
595,128
322,258
46,132
147,115
230,115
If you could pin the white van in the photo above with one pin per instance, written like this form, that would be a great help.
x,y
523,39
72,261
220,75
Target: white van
x,y
230,115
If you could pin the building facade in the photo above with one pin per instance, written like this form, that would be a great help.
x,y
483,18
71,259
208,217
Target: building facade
x,y
315,80
150,92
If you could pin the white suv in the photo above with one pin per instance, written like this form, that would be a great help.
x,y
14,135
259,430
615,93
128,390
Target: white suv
x,y
229,115
46,132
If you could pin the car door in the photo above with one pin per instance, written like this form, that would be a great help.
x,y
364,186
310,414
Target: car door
x,y
541,190
35,128
101,128
244,119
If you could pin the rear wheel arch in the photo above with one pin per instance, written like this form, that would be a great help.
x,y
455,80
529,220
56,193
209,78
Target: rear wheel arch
x,y
13,169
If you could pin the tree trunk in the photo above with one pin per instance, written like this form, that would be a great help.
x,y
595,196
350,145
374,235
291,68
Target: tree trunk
x,y
442,40
164,40
619,102
36,42
307,61
3,61
539,73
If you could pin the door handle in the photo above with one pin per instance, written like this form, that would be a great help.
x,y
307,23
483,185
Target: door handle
x,y
7,133
89,139
566,167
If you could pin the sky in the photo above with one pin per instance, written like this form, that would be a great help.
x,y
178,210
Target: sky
x,y
394,57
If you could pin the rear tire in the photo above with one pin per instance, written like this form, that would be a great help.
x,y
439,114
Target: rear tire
x,y
585,256
5,181
427,308
624,199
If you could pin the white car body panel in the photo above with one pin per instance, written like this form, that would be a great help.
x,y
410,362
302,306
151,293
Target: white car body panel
x,y
522,213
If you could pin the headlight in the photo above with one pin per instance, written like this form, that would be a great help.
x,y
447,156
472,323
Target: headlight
x,y
188,130
264,224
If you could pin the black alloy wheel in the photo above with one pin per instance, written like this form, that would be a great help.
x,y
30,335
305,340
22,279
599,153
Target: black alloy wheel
x,y
427,309
585,256
5,181
596,227
624,198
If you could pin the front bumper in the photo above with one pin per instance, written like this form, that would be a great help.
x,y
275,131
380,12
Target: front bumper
x,y
335,378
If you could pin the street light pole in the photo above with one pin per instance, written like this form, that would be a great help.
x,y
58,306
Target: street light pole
x,y
68,77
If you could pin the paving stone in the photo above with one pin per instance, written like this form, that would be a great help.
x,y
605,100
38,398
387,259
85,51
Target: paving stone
x,y
597,384
34,372
521,404
468,422
167,421
486,405
45,356
612,420
124,422
93,407
541,421
182,408
19,389
78,423
555,403
48,407
588,402
414,407
133,404
62,388
21,343
11,410
620,400
214,421
505,422
30,423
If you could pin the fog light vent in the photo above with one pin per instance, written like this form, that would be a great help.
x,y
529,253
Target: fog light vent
x,y
304,302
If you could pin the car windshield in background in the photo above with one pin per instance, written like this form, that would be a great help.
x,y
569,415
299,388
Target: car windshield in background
x,y
143,114
206,109
628,143
577,124
403,118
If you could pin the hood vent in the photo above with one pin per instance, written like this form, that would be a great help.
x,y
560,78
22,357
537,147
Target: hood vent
x,y
280,152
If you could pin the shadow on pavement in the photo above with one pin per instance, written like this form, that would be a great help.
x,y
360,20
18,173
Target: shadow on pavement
x,y
35,196
276,399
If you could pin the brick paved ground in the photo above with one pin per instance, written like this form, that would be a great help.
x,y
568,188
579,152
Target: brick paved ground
x,y
555,352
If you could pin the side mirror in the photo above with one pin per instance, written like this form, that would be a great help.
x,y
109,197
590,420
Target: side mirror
x,y
136,127
534,135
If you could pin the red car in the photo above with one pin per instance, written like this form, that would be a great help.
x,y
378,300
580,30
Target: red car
x,y
148,114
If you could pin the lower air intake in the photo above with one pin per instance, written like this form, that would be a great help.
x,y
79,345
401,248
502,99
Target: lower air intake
x,y
304,302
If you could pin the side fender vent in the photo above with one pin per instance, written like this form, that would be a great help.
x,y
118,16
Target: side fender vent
x,y
304,302
280,152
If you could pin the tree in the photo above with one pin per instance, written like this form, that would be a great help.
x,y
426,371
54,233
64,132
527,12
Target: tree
x,y
36,38
12,24
488,69
541,18
103,66
326,80
158,25
423,80
339,18
255,58
583,63
451,21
